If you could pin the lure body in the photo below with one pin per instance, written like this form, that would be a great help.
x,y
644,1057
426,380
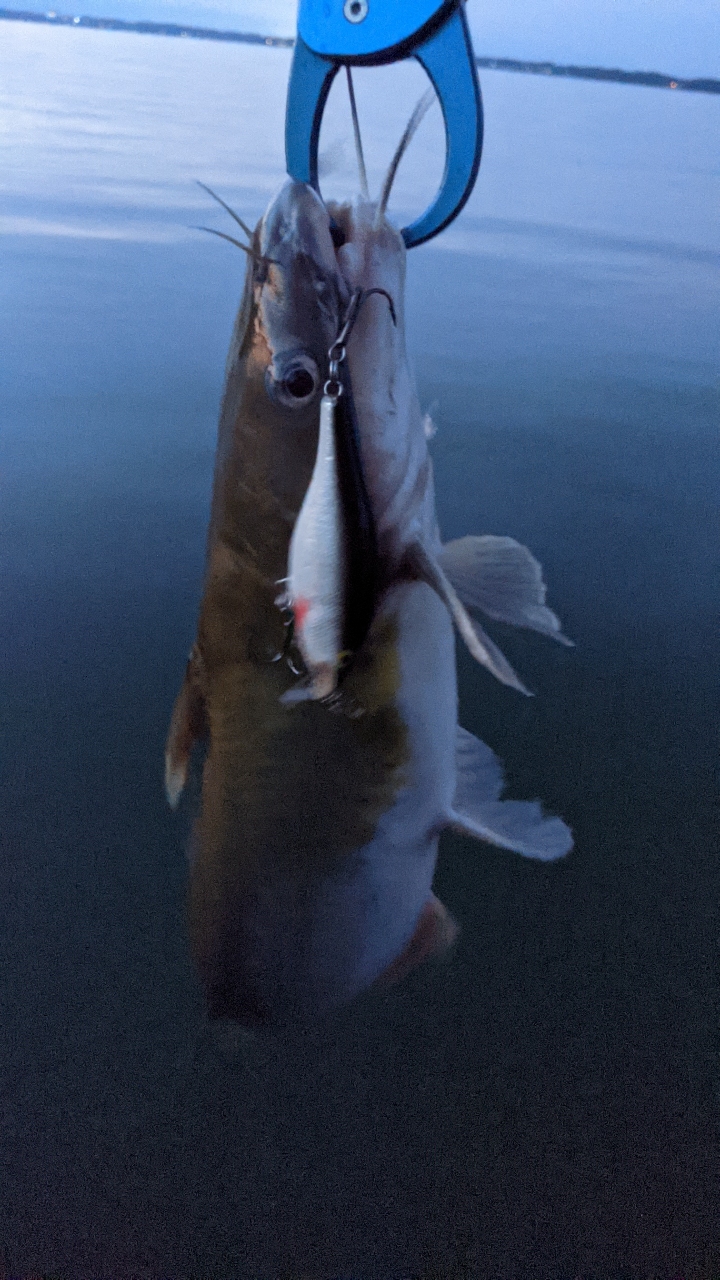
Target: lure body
x,y
316,565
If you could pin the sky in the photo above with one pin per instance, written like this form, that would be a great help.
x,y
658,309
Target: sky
x,y
678,37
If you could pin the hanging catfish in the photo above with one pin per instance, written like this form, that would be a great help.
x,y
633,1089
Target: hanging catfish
x,y
324,792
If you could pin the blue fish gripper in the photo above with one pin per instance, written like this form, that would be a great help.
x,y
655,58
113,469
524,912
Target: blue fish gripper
x,y
336,33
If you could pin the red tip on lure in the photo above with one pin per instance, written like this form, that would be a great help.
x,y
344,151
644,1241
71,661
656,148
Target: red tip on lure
x,y
300,609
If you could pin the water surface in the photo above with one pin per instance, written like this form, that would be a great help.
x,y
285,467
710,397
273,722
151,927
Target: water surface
x,y
546,1103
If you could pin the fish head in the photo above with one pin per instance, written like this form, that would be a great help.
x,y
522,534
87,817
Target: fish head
x,y
301,294
316,258
332,561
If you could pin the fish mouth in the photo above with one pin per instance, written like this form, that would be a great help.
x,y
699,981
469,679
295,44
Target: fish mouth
x,y
297,223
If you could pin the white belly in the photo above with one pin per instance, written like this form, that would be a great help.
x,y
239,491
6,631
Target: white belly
x,y
363,917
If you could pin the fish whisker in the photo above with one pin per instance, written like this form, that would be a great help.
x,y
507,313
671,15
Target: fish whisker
x,y
227,209
231,239
410,130
260,259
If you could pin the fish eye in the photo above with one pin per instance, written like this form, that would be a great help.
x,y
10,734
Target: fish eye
x,y
300,384
293,378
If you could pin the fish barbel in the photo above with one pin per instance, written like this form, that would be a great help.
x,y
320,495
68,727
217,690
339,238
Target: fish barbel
x,y
313,855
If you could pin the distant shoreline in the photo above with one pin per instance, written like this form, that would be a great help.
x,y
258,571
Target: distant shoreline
x,y
652,79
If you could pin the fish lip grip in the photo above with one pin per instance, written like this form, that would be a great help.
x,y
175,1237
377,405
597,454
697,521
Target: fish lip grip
x,y
333,33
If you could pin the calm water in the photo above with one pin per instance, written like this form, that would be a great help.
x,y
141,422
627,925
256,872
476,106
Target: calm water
x,y
547,1103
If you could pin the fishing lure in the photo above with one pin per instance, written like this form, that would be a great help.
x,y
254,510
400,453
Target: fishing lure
x,y
323,553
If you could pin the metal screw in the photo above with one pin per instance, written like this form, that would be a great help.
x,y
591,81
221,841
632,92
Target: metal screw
x,y
355,10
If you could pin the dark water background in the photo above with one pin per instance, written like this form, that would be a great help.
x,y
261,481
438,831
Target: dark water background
x,y
545,1104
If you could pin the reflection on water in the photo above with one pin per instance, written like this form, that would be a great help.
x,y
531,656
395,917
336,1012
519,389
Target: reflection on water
x,y
545,1103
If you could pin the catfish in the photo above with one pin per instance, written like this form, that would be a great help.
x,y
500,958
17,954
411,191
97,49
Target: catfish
x,y
322,802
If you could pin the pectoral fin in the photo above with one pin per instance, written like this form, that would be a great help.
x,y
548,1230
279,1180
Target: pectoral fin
x,y
187,726
502,578
518,825
426,567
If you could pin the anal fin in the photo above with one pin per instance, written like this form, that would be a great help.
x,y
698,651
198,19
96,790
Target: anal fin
x,y
435,932
518,825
